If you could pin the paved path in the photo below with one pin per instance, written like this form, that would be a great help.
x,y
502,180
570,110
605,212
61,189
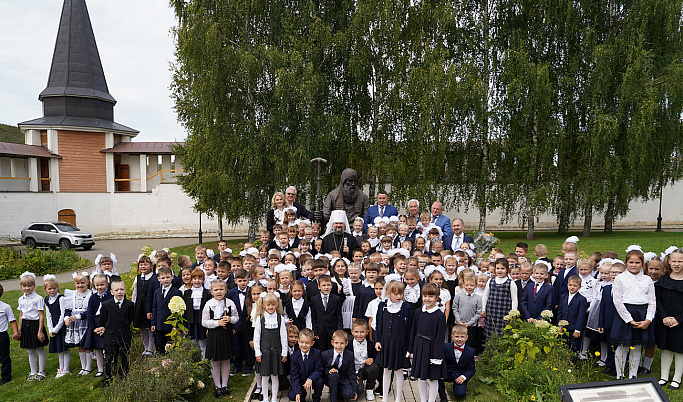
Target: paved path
x,y
410,394
126,251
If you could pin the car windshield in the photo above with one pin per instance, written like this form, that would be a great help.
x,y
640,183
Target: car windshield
x,y
65,227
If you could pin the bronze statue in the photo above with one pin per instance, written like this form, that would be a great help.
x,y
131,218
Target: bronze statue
x,y
348,197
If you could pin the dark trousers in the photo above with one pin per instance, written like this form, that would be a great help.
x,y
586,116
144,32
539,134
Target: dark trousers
x,y
162,339
369,374
317,391
115,354
324,342
284,378
240,356
460,390
5,358
573,343
337,388
473,339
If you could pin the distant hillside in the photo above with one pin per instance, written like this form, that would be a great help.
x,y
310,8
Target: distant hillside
x,y
11,134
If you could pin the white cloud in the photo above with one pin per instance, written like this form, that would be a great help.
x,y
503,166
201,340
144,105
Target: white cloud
x,y
135,45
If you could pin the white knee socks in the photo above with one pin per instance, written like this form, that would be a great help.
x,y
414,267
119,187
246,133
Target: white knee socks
x,y
620,360
216,373
603,352
386,383
99,355
32,363
41,360
433,390
665,364
147,340
634,361
424,391
586,344
258,379
66,362
678,372
202,347
84,358
264,386
225,372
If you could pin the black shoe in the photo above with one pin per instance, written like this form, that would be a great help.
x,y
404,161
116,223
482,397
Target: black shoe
x,y
225,391
642,370
674,385
256,395
247,372
234,371
3,382
610,372
218,393
378,391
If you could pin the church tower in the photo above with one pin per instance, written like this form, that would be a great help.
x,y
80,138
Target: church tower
x,y
78,111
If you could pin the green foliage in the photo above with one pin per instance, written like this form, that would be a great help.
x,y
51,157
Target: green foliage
x,y
173,376
40,262
11,134
530,361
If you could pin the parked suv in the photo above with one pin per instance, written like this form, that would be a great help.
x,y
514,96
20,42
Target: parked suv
x,y
56,234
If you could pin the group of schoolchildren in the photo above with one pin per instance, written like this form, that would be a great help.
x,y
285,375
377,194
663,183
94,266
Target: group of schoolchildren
x,y
301,320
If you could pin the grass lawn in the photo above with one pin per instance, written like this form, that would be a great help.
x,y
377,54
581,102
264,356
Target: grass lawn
x,y
73,387
617,241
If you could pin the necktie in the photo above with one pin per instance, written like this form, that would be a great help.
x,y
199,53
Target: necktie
x,y
325,301
337,361
381,211
306,360
535,289
433,219
119,303
455,347
163,293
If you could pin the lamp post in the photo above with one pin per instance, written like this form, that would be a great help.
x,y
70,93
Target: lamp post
x,y
659,217
200,218
318,214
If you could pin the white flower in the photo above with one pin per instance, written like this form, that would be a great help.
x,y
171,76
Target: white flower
x,y
190,381
547,314
177,305
542,324
507,318
200,384
515,336
562,323
169,347
514,313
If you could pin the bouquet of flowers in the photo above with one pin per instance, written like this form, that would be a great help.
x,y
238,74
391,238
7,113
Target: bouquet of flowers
x,y
484,242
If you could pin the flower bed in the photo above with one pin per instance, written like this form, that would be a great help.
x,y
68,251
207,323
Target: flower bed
x,y
530,360
40,262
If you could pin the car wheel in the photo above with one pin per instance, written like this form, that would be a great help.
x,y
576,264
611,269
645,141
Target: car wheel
x,y
88,247
30,243
64,244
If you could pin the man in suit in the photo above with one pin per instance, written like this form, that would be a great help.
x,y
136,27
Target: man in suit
x,y
364,354
339,368
459,360
116,315
440,220
301,211
457,237
325,313
160,310
306,372
381,209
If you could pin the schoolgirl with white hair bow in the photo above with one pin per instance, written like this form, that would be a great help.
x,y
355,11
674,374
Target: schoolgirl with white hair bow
x,y
54,314
32,334
106,265
75,318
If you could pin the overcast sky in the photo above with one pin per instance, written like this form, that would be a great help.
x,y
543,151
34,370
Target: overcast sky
x,y
135,45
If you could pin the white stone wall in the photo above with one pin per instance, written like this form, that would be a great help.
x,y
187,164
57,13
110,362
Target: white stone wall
x,y
167,210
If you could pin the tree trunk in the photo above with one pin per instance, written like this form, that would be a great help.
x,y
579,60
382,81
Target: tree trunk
x,y
587,221
220,227
482,218
530,227
609,216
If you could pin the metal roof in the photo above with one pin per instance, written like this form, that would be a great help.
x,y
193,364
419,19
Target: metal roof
x,y
76,66
77,94
154,148
22,150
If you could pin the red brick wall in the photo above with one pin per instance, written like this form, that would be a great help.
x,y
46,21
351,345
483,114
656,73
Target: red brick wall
x,y
82,167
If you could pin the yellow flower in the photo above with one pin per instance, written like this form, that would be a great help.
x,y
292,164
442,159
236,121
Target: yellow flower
x,y
533,398
555,368
597,353
632,348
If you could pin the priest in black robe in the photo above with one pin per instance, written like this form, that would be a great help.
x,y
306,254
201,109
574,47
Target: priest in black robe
x,y
338,235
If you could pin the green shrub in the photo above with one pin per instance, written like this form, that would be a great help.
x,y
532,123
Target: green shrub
x,y
173,376
530,361
40,262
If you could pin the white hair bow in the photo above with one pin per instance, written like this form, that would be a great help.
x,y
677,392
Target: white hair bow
x,y
210,253
634,247
48,276
75,274
26,273
572,239
648,256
